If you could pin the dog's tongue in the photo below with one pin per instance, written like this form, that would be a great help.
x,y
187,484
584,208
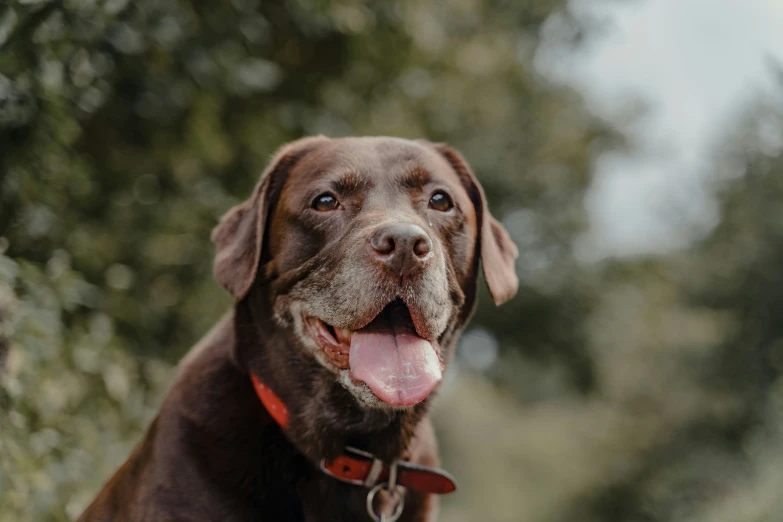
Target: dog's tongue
x,y
400,367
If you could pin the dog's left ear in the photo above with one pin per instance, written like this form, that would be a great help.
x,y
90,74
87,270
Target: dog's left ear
x,y
498,251
239,235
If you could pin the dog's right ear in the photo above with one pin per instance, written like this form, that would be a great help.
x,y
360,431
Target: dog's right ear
x,y
239,235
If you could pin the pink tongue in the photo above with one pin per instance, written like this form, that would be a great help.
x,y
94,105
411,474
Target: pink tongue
x,y
401,369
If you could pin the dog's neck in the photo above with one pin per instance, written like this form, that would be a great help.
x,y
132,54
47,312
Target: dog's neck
x,y
214,415
323,417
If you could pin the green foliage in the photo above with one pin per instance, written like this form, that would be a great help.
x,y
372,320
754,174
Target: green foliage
x,y
74,400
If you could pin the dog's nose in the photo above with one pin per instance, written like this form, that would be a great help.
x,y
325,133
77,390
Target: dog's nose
x,y
401,246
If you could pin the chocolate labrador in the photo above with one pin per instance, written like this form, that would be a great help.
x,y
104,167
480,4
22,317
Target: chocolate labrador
x,y
354,266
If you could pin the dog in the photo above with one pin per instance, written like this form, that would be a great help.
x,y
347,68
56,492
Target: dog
x,y
354,268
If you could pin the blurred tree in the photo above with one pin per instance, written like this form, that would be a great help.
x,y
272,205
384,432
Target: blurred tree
x,y
702,352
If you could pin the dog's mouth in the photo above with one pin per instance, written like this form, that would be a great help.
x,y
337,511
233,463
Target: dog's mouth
x,y
399,367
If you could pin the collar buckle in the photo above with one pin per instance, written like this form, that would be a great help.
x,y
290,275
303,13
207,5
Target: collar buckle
x,y
372,476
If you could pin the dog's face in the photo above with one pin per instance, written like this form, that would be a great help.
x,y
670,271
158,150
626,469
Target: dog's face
x,y
367,250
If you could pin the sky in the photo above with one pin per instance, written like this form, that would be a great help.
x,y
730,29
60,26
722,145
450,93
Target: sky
x,y
693,65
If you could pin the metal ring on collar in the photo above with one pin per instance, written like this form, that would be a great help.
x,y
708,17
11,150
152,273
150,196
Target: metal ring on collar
x,y
382,517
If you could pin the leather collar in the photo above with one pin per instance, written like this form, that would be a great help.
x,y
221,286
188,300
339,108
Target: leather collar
x,y
360,468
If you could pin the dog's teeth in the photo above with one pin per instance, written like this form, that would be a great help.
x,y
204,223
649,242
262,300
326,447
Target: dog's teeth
x,y
342,333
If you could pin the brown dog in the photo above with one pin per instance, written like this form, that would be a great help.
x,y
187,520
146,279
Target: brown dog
x,y
354,267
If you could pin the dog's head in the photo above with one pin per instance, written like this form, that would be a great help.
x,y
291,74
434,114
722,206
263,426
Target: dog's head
x,y
365,253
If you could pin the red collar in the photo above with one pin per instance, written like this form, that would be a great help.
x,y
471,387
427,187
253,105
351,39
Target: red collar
x,y
360,468
271,402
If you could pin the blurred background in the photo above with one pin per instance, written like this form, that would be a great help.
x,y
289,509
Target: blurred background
x,y
633,149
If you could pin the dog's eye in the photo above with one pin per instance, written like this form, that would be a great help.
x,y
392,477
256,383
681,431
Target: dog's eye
x,y
325,202
441,201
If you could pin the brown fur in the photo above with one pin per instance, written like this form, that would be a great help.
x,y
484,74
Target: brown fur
x,y
213,452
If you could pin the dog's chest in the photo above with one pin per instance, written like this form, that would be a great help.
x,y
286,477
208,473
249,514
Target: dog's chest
x,y
281,486
312,497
